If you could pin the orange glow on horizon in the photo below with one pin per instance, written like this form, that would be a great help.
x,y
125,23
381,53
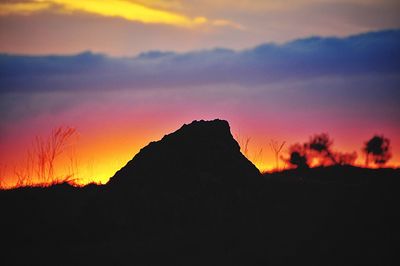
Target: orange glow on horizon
x,y
97,156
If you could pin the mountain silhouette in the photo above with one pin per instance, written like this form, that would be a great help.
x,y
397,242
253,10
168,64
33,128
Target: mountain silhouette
x,y
198,153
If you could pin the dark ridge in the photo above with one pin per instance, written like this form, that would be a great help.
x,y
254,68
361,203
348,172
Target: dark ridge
x,y
203,151
341,175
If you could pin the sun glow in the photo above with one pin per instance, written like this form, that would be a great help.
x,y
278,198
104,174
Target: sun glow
x,y
124,9
127,10
23,8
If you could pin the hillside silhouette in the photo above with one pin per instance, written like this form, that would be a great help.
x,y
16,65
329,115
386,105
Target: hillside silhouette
x,y
193,199
202,152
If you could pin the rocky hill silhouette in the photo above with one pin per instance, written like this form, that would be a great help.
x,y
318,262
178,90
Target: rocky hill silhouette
x,y
193,199
199,153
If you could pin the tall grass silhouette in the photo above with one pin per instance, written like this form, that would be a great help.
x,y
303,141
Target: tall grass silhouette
x,y
2,176
256,156
276,148
39,166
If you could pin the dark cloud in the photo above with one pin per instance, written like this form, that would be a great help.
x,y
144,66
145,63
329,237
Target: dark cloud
x,y
365,54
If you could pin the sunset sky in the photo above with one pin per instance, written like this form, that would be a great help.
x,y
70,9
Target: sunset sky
x,y
126,72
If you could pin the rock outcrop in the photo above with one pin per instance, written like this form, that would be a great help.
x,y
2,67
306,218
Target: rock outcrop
x,y
202,152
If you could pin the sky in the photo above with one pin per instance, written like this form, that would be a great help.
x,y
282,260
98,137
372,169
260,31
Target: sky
x,y
124,73
129,27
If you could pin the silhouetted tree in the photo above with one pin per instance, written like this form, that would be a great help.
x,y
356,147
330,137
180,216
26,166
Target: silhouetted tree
x,y
318,148
298,156
379,148
321,145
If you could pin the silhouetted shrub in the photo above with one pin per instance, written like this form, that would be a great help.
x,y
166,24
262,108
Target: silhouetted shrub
x,y
379,148
298,156
319,146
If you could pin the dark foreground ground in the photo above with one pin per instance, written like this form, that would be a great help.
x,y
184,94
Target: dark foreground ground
x,y
323,216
